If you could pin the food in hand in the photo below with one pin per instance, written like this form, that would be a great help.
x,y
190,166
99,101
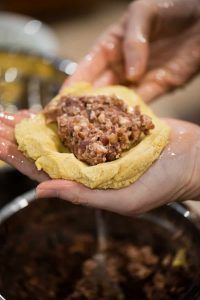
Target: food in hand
x,y
101,137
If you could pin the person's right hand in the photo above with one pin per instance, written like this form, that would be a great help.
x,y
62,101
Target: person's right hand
x,y
155,48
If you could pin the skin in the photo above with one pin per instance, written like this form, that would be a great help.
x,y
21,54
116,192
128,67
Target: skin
x,y
132,51
153,48
177,171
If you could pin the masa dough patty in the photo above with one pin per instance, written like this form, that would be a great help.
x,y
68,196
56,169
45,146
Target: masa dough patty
x,y
40,142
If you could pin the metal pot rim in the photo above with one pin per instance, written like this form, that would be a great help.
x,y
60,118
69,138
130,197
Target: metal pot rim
x,y
27,198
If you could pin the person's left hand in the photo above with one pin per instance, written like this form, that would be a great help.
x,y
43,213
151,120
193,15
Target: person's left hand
x,y
174,176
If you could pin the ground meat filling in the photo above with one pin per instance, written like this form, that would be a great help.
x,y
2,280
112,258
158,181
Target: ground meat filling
x,y
99,128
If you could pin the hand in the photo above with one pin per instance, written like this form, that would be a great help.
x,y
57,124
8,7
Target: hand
x,y
174,176
8,147
154,48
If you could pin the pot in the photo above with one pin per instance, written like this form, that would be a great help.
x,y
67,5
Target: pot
x,y
48,245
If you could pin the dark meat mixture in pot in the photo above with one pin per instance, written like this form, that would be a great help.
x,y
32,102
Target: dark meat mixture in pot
x,y
99,128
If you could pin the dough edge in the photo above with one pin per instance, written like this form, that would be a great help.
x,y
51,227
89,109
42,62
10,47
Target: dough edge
x,y
46,149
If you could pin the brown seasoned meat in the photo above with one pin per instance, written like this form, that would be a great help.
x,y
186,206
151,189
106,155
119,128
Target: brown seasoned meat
x,y
99,128
48,250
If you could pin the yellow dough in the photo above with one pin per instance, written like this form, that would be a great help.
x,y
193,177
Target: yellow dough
x,y
40,142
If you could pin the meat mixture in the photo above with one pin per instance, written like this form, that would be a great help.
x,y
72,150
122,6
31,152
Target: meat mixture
x,y
99,128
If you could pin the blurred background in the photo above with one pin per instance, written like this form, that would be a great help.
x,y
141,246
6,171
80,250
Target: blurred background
x,y
78,23
29,73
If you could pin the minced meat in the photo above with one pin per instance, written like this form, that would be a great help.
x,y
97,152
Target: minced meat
x,y
98,128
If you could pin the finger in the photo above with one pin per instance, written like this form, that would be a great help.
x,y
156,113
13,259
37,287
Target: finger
x,y
7,132
24,113
7,118
89,68
10,119
119,201
106,52
79,194
144,194
108,77
136,48
11,155
149,91
182,64
187,61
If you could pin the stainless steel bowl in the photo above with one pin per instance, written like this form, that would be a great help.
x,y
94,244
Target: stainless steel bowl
x,y
30,80
166,229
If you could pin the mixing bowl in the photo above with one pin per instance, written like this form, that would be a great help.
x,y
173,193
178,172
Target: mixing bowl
x,y
48,249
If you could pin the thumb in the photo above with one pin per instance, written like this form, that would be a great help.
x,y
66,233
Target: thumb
x,y
136,46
